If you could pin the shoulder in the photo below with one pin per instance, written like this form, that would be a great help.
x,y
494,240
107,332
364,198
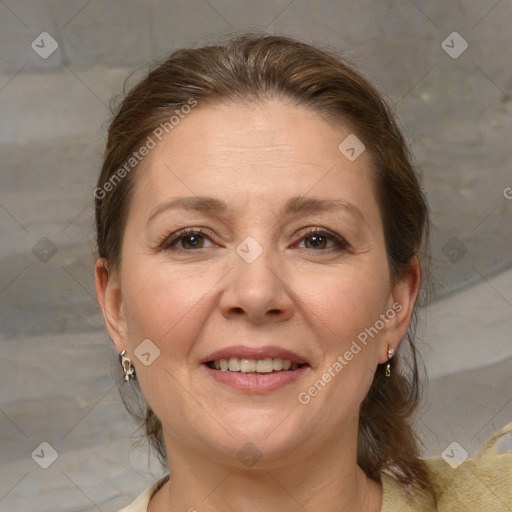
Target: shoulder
x,y
395,498
142,501
482,483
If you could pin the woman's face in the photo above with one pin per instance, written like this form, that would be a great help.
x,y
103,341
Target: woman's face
x,y
252,279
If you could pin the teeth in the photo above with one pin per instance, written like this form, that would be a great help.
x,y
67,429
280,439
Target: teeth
x,y
264,365
277,364
234,364
246,365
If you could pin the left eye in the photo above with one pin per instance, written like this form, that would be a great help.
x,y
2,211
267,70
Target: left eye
x,y
320,237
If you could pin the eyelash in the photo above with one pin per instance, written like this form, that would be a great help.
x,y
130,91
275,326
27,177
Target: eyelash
x,y
169,240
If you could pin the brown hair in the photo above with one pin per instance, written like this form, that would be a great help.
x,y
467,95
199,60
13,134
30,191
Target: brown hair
x,y
254,68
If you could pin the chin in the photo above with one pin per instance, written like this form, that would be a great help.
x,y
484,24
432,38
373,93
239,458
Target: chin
x,y
263,444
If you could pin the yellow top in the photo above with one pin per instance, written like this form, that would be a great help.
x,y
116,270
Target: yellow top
x,y
482,484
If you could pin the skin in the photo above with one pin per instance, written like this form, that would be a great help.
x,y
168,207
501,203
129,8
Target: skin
x,y
313,299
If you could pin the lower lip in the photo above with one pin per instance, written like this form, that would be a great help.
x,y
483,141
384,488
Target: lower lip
x,y
256,383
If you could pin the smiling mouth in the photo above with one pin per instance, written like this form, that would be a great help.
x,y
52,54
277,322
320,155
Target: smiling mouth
x,y
254,366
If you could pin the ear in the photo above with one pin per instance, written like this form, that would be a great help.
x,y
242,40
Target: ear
x,y
402,300
108,294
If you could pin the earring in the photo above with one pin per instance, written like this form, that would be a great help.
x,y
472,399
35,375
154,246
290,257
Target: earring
x,y
128,369
391,351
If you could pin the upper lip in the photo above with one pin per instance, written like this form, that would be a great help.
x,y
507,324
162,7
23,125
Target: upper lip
x,y
241,351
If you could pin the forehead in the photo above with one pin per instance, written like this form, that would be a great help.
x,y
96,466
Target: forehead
x,y
271,129
269,151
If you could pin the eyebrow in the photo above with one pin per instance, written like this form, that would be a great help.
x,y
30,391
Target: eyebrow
x,y
293,206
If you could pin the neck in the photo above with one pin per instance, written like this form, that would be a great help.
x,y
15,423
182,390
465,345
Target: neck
x,y
327,481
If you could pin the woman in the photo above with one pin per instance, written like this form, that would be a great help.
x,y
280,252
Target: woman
x,y
260,231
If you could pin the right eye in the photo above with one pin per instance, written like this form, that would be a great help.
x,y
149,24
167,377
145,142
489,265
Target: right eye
x,y
193,237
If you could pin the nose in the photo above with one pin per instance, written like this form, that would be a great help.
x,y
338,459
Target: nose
x,y
258,289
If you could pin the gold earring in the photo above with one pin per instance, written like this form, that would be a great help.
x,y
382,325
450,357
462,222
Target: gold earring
x,y
128,369
391,351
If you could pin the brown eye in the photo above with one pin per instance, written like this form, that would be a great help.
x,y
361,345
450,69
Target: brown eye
x,y
185,240
317,241
194,241
319,238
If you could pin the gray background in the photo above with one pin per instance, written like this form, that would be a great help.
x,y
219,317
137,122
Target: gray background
x,y
57,367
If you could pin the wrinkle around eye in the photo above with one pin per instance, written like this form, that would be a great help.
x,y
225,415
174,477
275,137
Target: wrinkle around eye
x,y
288,234
334,244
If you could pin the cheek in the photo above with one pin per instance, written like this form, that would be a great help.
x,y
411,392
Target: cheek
x,y
344,329
157,297
163,306
346,315
348,299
